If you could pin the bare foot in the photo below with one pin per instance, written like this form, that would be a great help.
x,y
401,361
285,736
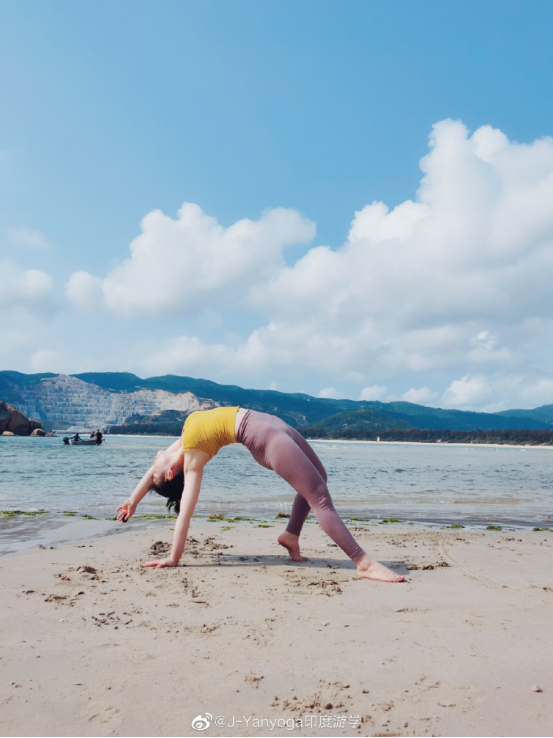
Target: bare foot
x,y
292,543
368,568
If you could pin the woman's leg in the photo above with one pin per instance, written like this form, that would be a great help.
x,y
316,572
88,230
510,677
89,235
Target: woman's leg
x,y
308,451
300,506
292,464
300,511
273,444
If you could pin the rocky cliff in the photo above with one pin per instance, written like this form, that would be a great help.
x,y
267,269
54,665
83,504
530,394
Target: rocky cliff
x,y
68,399
14,421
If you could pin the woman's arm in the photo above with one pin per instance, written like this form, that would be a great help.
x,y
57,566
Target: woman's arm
x,y
127,509
194,462
175,446
141,490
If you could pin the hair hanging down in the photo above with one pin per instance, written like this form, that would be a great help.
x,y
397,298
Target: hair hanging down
x,y
172,489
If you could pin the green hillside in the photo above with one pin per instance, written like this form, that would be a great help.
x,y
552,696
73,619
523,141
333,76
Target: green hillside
x,y
437,418
11,384
366,422
358,422
543,414
295,409
113,381
299,410
164,423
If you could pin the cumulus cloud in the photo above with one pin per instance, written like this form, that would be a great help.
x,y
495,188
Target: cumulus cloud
x,y
485,350
538,393
192,262
467,391
28,288
496,391
26,302
449,290
84,291
465,251
291,350
441,283
373,393
421,396
330,393
27,237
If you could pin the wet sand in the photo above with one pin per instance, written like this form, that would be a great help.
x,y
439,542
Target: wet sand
x,y
94,644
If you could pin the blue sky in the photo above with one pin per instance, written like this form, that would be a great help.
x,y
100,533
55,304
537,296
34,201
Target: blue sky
x,y
112,110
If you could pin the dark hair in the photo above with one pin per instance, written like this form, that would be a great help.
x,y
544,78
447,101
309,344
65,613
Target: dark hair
x,y
172,489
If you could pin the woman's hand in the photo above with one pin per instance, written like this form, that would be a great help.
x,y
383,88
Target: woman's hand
x,y
160,564
127,511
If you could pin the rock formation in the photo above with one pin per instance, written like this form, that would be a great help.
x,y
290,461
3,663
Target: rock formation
x,y
12,421
68,399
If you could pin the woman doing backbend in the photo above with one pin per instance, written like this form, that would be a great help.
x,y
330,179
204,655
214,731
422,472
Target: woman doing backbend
x,y
274,445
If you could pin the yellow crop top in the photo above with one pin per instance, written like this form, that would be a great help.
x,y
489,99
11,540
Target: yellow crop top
x,y
209,430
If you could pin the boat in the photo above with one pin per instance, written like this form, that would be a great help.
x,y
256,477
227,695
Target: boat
x,y
81,442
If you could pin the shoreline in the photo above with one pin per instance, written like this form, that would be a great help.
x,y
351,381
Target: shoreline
x,y
445,444
353,440
93,640
51,532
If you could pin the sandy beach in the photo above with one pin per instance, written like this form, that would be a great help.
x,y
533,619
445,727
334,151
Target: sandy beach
x,y
94,644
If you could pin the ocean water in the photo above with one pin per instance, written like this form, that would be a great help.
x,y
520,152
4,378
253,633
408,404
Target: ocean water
x,y
439,483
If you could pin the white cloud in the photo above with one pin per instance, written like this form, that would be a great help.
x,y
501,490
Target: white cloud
x,y
421,396
466,392
84,291
329,393
538,393
373,393
453,284
27,237
288,349
493,392
26,303
28,288
485,350
193,263
422,280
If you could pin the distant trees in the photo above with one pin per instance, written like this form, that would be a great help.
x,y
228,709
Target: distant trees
x,y
165,423
514,436
170,422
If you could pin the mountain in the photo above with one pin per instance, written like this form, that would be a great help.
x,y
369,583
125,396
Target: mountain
x,y
359,422
109,398
13,385
543,414
405,415
295,409
104,399
433,418
162,422
61,399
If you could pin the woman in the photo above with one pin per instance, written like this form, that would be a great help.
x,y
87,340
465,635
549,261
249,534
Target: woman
x,y
274,445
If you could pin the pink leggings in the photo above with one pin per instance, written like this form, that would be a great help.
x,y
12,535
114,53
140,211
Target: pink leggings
x,y
277,446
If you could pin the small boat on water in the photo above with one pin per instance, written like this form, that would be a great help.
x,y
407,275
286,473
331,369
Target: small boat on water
x,y
68,441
